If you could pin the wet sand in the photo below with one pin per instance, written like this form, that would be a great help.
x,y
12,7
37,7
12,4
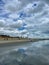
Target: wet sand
x,y
12,42
5,47
5,43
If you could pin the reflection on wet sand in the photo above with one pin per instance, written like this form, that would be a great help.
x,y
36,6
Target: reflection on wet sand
x,y
35,53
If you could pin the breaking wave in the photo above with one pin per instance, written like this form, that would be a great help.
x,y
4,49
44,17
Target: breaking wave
x,y
36,54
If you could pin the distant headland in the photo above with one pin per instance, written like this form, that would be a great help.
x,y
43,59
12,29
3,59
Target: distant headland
x,y
7,37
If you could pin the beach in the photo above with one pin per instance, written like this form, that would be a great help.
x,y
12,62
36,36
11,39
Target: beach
x,y
35,53
5,43
19,41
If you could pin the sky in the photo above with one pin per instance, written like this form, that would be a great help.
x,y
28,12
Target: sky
x,y
28,18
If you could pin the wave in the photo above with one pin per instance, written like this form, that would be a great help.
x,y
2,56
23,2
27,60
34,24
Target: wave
x,y
36,54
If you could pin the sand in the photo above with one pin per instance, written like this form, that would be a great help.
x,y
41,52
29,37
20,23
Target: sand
x,y
8,43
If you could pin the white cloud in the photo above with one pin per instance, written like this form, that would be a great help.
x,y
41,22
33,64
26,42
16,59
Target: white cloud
x,y
10,28
2,23
12,6
37,23
13,16
16,24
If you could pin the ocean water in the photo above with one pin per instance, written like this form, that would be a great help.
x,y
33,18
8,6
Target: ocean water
x,y
32,53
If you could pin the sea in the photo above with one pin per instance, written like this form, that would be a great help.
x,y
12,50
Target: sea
x,y
28,53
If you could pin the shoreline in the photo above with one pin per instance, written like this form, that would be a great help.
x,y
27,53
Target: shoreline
x,y
7,43
16,42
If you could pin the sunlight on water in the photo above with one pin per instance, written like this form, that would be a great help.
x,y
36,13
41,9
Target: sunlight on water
x,y
35,54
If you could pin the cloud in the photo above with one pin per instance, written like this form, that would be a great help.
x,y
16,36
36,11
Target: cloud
x,y
10,28
2,23
32,9
13,6
14,16
28,17
16,24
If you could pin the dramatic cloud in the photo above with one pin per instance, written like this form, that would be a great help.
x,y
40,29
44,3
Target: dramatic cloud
x,y
24,17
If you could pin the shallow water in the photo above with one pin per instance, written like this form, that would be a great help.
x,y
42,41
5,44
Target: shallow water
x,y
36,53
